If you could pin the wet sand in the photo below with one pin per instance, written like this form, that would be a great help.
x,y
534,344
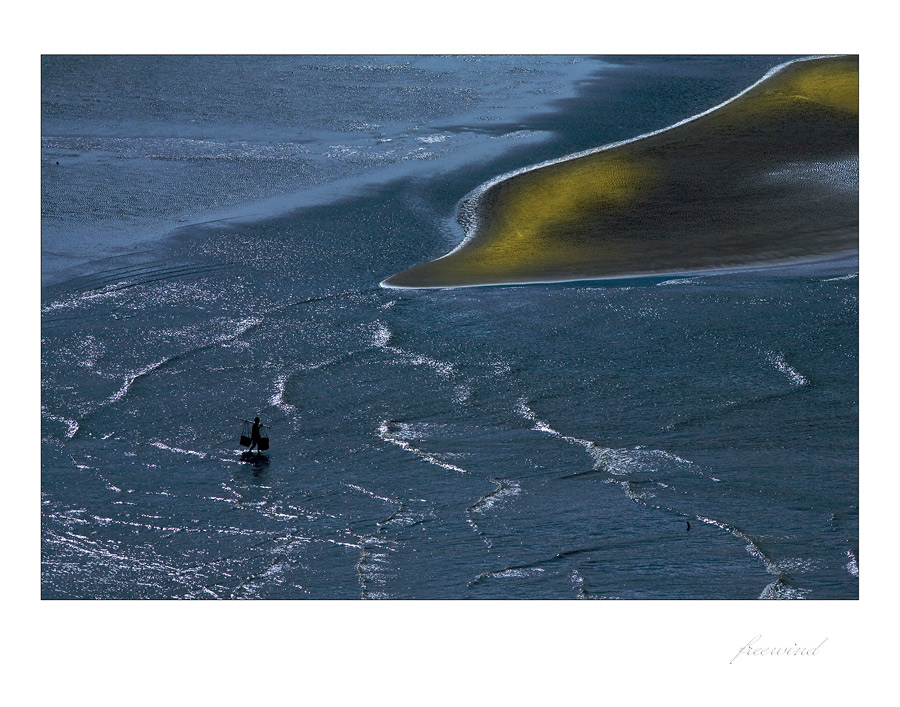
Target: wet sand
x,y
770,176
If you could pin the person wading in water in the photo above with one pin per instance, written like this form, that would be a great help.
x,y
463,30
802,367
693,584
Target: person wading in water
x,y
255,436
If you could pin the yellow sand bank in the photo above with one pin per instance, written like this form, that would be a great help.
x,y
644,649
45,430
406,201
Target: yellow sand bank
x,y
771,175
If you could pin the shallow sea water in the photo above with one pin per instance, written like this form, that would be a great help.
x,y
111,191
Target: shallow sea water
x,y
548,441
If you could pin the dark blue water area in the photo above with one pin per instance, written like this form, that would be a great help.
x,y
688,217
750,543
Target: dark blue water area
x,y
543,441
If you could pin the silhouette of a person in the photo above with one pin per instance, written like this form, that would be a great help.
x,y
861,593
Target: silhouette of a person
x,y
255,436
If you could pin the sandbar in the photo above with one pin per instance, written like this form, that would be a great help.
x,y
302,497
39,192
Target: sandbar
x,y
769,176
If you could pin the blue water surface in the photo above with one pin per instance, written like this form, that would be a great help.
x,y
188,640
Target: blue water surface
x,y
214,232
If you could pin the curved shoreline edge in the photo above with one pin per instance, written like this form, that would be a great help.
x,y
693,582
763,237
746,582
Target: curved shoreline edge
x,y
809,260
474,195
626,171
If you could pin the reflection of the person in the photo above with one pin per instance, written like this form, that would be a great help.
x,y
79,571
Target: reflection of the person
x,y
258,461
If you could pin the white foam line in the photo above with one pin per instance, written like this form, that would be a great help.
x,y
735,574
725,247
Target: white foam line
x,y
853,566
578,584
618,462
103,293
600,455
779,590
160,445
677,281
383,335
83,545
468,205
71,425
372,494
277,399
731,269
384,433
509,573
777,360
109,486
243,326
752,548
503,488
637,497
129,381
370,567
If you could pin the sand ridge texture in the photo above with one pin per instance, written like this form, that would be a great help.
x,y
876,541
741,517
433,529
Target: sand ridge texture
x,y
770,176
